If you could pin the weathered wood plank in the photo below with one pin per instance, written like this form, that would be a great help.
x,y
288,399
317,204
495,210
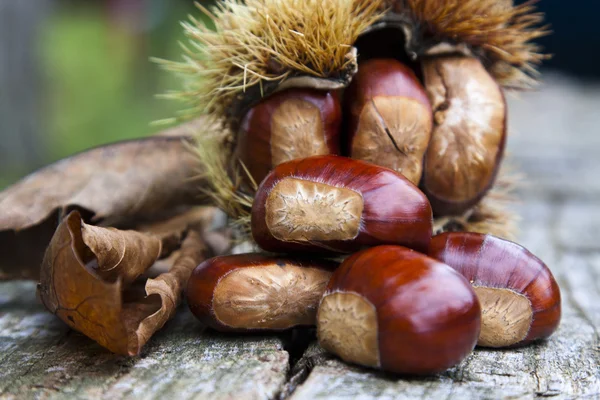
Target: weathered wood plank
x,y
41,357
554,138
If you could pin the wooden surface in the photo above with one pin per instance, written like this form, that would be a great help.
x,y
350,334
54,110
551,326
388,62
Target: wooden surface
x,y
555,142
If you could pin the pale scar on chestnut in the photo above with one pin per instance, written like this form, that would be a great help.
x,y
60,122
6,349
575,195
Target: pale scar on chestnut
x,y
274,297
506,316
347,326
469,124
394,132
296,131
300,210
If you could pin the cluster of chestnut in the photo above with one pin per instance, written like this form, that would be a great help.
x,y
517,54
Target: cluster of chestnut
x,y
446,135
403,301
406,303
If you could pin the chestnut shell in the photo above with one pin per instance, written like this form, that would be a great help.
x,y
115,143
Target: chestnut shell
x,y
254,144
428,315
395,211
489,261
206,277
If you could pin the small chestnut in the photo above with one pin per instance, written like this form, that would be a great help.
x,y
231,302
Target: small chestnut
x,y
248,292
519,297
469,133
294,123
390,117
392,308
336,204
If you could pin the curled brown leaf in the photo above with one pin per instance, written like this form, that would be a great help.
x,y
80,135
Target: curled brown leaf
x,y
122,184
169,286
84,275
113,254
117,183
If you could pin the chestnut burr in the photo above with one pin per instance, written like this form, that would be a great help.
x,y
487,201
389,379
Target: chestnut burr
x,y
294,123
519,297
254,292
336,204
390,117
469,133
392,308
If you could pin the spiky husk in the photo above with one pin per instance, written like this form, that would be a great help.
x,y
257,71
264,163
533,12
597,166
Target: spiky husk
x,y
500,33
226,182
492,215
260,43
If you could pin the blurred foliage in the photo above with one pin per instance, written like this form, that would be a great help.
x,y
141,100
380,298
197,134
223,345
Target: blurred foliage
x,y
99,84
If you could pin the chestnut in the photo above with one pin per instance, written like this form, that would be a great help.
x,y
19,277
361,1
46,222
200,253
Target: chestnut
x,y
469,133
392,308
255,292
390,117
519,297
334,204
294,123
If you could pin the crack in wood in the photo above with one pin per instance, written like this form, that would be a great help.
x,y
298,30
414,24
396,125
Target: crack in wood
x,y
300,366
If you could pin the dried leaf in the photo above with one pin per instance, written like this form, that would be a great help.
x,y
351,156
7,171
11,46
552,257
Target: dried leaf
x,y
170,286
118,183
119,254
193,218
71,285
21,252
123,185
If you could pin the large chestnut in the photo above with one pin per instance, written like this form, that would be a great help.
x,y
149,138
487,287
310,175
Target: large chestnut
x,y
469,132
519,297
294,123
254,292
392,308
336,204
390,117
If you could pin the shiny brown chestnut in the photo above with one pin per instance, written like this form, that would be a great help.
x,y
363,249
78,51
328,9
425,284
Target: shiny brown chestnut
x,y
519,297
336,204
392,308
255,292
469,132
390,117
294,123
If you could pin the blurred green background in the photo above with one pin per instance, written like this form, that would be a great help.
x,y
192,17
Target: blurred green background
x,y
76,74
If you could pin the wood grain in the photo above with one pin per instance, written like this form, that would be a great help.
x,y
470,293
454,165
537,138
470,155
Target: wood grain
x,y
41,358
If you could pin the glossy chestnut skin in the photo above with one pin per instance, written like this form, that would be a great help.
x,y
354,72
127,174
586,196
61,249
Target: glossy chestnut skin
x,y
329,204
390,117
469,133
294,123
490,262
427,315
257,292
